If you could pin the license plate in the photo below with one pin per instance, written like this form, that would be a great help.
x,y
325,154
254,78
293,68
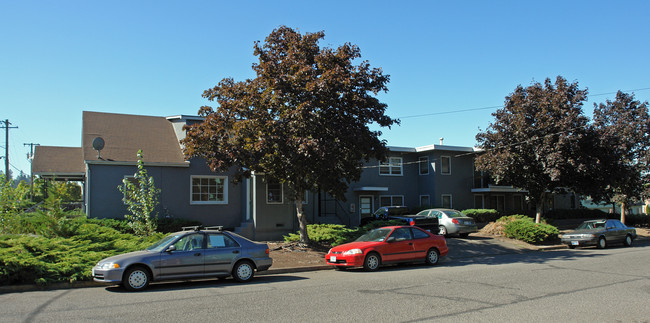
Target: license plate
x,y
575,243
333,259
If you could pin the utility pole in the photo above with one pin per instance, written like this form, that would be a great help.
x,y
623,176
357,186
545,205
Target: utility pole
x,y
30,157
7,127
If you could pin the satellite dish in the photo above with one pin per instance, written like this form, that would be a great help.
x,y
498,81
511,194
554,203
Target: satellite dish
x,y
98,144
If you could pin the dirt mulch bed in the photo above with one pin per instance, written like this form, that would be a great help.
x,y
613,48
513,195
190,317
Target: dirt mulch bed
x,y
293,254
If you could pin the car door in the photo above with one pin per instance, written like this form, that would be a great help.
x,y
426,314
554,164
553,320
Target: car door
x,y
421,243
399,246
187,258
220,254
615,232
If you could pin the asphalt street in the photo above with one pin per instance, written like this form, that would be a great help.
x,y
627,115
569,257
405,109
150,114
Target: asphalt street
x,y
583,285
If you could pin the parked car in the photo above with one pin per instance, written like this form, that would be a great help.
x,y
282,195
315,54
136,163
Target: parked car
x,y
451,221
600,233
386,245
192,253
401,213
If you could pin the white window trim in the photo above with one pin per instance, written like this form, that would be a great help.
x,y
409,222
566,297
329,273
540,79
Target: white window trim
x,y
423,160
441,168
427,196
281,194
225,190
391,165
451,200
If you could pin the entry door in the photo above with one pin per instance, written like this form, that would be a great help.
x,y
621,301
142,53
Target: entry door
x,y
187,259
365,206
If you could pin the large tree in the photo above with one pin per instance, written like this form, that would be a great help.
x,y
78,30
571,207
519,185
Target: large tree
x,y
537,141
303,120
622,127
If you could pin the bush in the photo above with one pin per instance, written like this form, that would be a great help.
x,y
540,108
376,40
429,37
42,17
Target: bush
x,y
482,215
336,234
561,214
525,229
167,225
637,220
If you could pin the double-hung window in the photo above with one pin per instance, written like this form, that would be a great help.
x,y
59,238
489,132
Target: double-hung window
x,y
209,190
445,167
274,193
391,167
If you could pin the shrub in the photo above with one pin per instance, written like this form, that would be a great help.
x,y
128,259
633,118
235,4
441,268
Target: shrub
x,y
167,225
561,214
482,215
141,199
336,234
525,229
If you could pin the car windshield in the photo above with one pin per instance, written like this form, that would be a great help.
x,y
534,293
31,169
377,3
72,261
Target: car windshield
x,y
375,235
158,246
591,225
454,214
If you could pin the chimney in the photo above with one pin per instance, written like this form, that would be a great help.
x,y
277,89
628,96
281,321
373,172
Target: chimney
x,y
441,139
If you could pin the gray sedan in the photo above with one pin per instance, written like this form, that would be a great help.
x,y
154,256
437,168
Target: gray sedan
x,y
451,221
600,233
193,253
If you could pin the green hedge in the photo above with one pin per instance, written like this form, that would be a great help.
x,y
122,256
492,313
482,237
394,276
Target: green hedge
x,y
336,234
525,229
482,215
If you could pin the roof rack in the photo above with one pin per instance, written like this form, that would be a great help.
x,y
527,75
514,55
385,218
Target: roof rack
x,y
198,228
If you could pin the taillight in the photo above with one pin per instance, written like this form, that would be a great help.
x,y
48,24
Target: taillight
x,y
268,251
454,221
412,222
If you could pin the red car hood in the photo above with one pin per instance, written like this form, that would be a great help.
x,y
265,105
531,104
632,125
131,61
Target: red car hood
x,y
357,245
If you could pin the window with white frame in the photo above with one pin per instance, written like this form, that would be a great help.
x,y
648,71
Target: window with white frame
x,y
446,201
424,165
425,200
391,167
209,190
445,167
391,200
274,192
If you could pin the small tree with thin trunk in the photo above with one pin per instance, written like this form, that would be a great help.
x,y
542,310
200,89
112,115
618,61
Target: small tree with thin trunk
x,y
302,121
141,199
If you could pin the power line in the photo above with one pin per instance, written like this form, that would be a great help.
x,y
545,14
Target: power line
x,y
499,106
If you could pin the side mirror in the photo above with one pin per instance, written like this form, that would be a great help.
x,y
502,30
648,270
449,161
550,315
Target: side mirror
x,y
390,239
171,248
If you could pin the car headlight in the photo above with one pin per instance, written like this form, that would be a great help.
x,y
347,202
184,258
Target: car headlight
x,y
108,265
353,252
588,236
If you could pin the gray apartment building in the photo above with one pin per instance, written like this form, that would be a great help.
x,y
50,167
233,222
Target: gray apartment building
x,y
430,176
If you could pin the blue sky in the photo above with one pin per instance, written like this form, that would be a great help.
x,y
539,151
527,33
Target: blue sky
x,y
59,58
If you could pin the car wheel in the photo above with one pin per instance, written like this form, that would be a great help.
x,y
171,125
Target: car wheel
x,y
136,279
372,262
442,230
433,256
602,243
243,271
628,240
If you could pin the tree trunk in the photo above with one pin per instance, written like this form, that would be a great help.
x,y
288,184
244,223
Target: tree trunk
x,y
539,208
302,220
623,212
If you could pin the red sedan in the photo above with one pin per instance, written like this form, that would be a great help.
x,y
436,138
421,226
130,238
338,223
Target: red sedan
x,y
387,245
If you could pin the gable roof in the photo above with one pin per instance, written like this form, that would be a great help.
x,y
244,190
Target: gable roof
x,y
58,162
125,134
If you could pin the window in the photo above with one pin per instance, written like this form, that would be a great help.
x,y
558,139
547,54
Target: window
x,y
189,242
391,200
274,193
425,200
424,165
209,190
419,234
446,201
218,240
445,167
401,234
391,167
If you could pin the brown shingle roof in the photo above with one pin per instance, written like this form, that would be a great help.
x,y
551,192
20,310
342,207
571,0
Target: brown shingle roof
x,y
59,161
125,134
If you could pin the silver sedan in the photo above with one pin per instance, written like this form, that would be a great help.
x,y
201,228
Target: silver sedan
x,y
193,253
452,222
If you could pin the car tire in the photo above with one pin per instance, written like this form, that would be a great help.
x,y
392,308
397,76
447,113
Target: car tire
x,y
628,240
136,279
243,271
602,243
372,262
442,230
433,256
